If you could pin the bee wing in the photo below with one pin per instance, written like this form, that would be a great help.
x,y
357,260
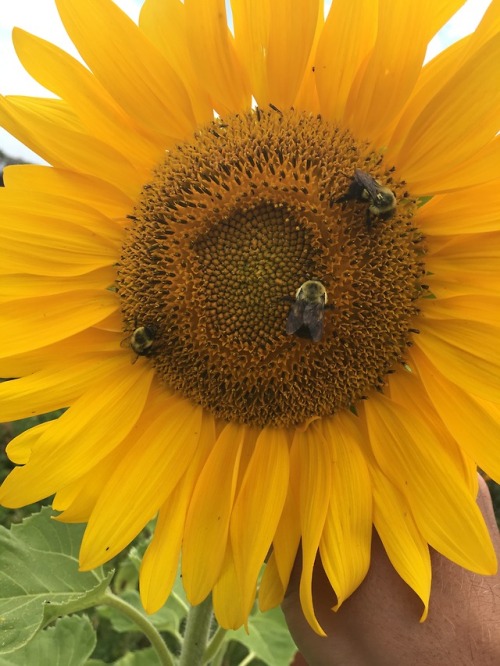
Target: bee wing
x,y
313,319
354,192
368,183
295,317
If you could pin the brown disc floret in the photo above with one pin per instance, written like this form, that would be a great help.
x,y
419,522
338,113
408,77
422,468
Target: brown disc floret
x,y
229,228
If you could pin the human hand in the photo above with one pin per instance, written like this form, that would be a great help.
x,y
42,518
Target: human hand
x,y
379,624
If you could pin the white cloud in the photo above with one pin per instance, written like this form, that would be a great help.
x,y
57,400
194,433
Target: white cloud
x,y
40,17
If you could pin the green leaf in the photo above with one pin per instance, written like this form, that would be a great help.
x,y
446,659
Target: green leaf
x,y
69,643
268,638
39,577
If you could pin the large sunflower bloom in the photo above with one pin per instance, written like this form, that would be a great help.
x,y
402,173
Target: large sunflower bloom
x,y
199,177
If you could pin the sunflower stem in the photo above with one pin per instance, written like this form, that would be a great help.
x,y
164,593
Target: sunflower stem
x,y
196,635
152,634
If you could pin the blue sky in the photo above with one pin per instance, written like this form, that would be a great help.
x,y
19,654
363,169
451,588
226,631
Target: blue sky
x,y
40,17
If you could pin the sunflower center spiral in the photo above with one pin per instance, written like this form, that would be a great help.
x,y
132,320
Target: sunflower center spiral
x,y
231,226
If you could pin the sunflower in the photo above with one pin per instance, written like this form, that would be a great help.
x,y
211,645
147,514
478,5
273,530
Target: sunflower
x,y
261,275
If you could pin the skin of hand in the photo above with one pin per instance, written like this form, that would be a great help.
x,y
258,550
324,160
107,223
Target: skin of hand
x,y
379,624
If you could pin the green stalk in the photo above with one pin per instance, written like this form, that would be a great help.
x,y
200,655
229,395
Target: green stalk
x,y
196,636
144,625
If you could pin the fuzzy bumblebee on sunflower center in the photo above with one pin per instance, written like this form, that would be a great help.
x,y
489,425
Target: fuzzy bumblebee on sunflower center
x,y
156,281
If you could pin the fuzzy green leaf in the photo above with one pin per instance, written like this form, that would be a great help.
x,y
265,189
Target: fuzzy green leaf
x,y
268,638
69,643
39,577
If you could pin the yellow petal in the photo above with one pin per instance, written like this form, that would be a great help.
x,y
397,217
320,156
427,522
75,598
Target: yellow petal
x,y
474,424
465,352
286,540
160,562
78,499
274,42
99,195
291,33
307,96
66,497
67,78
403,542
470,210
252,24
32,323
468,259
482,167
429,82
128,66
258,508
411,456
90,429
46,127
439,70
149,470
341,52
46,215
228,605
394,64
209,513
164,24
91,340
271,590
17,287
465,106
476,307
19,449
315,456
80,256
214,55
53,387
406,389
346,539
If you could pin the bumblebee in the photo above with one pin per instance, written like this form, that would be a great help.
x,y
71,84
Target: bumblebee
x,y
305,318
364,188
141,341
